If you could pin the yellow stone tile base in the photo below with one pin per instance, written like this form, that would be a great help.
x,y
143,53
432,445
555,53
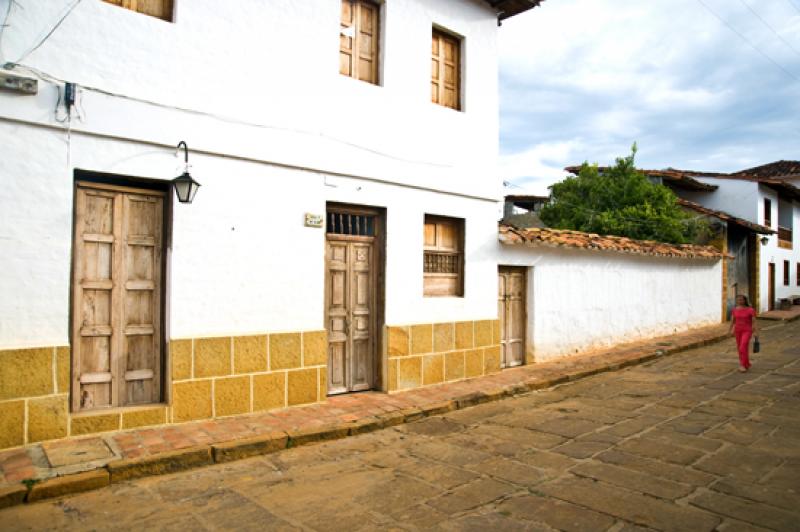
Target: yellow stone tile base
x,y
432,353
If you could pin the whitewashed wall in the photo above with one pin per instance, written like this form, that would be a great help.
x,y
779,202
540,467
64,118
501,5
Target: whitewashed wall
x,y
746,200
772,253
272,65
274,132
580,300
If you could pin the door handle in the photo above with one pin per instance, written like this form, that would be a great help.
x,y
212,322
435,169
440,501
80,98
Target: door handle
x,y
347,326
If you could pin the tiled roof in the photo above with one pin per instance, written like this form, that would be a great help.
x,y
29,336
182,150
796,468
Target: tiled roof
x,y
508,8
778,169
562,238
679,178
756,228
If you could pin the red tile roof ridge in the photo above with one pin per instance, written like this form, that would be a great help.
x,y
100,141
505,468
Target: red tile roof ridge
x,y
591,241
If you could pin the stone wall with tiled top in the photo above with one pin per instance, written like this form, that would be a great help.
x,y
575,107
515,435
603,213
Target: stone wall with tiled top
x,y
210,377
433,353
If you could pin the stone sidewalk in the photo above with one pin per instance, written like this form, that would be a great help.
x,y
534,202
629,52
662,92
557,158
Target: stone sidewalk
x,y
64,466
683,442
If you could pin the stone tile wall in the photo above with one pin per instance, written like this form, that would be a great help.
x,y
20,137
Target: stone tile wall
x,y
210,377
433,353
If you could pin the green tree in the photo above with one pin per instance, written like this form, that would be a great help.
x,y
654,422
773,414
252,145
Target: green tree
x,y
620,201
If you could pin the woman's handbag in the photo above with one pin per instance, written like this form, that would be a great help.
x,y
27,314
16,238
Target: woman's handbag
x,y
756,345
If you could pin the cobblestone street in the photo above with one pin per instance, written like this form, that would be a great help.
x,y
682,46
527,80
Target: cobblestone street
x,y
681,443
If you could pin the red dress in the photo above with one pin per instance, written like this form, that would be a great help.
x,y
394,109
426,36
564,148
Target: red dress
x,y
743,330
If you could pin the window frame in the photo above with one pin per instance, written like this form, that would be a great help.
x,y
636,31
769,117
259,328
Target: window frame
x,y
459,227
133,5
377,37
768,212
445,35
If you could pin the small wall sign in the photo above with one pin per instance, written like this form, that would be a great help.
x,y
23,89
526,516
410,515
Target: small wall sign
x,y
314,220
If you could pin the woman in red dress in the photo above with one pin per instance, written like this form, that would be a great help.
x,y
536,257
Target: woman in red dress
x,y
743,327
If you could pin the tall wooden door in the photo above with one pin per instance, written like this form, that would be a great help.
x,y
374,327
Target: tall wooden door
x,y
350,302
511,311
771,287
116,309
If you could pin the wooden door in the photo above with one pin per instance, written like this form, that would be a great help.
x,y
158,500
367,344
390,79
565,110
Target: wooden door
x,y
116,313
771,288
350,303
511,311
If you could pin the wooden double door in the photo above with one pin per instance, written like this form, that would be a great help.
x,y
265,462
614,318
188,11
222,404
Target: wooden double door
x,y
353,268
511,302
117,296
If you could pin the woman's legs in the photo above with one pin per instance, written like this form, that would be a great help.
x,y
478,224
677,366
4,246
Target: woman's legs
x,y
743,343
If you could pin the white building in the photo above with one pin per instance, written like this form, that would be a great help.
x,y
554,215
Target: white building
x,y
767,195
345,150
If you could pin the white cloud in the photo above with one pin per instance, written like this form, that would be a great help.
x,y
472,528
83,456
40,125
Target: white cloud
x,y
582,79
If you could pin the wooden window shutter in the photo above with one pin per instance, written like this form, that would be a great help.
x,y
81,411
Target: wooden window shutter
x,y
358,40
446,70
443,264
155,8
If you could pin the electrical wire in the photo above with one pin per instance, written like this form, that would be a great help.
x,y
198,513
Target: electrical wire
x,y
748,41
49,33
230,120
794,6
3,26
769,26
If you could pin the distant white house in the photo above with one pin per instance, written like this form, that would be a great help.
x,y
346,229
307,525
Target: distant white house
x,y
766,195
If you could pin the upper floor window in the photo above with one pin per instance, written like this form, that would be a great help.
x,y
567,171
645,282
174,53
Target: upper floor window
x,y
443,265
446,70
358,40
155,8
767,212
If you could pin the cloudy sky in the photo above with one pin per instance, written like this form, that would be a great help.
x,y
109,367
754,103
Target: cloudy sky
x,y
583,79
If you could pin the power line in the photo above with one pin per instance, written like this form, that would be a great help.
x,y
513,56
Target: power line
x,y
768,25
750,43
794,6
49,33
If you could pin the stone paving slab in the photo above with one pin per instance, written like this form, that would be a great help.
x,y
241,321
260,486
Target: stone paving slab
x,y
340,416
496,466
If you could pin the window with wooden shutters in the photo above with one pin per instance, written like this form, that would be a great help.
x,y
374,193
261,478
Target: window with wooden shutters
x,y
446,70
155,8
443,263
358,40
117,302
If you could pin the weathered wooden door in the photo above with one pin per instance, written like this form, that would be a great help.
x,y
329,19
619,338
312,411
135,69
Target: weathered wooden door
x,y
511,310
116,312
350,301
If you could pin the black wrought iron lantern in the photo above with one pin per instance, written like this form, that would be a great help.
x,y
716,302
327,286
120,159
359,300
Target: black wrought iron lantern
x,y
185,185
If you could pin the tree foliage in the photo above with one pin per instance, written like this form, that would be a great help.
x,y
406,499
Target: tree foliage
x,y
620,201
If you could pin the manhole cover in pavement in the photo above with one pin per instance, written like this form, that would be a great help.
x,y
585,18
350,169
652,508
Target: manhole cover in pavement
x,y
66,453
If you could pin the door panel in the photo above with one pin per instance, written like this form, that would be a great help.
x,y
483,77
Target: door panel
x,y
511,311
350,313
116,297
336,298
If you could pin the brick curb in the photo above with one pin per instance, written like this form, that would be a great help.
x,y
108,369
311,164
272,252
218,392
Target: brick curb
x,y
199,456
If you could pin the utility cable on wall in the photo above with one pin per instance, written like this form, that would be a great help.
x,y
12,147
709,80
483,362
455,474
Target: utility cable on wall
x,y
49,33
231,120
